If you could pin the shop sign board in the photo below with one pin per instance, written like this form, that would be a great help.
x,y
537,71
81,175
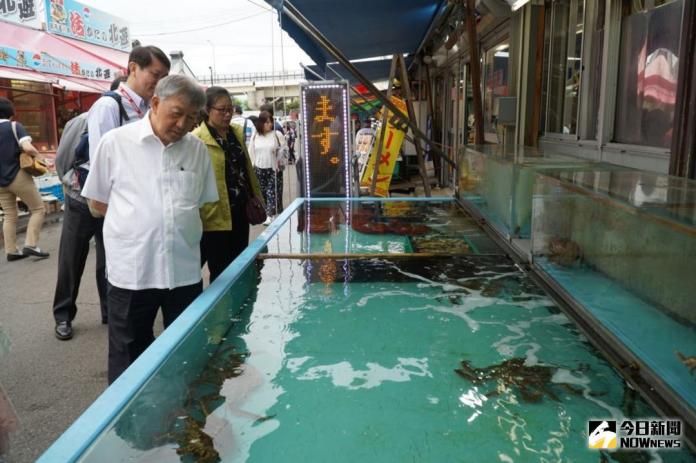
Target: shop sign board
x,y
79,21
42,61
22,12
393,138
326,127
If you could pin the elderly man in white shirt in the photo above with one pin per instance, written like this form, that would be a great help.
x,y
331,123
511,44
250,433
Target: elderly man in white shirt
x,y
146,66
149,180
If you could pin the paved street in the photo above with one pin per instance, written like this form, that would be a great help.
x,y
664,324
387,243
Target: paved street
x,y
52,382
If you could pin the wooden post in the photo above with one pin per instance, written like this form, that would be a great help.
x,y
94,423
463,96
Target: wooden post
x,y
475,67
383,128
406,86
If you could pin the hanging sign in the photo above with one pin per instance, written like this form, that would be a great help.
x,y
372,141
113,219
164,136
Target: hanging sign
x,y
42,61
393,138
79,21
22,12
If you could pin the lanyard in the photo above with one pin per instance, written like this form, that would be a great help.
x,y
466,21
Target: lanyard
x,y
135,107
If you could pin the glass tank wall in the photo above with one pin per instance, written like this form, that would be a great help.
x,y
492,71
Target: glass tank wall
x,y
622,243
498,181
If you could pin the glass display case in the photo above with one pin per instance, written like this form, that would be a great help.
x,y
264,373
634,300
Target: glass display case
x,y
623,245
498,182
34,109
362,330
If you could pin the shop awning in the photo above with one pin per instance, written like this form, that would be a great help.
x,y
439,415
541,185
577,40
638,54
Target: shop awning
x,y
374,70
73,84
58,49
21,74
114,57
78,84
362,28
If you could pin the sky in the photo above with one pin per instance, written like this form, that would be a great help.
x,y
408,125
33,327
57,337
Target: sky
x,y
236,34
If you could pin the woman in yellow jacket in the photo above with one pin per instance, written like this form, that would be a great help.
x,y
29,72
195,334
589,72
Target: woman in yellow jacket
x,y
225,226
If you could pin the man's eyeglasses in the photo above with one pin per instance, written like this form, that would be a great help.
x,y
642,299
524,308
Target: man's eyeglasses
x,y
226,110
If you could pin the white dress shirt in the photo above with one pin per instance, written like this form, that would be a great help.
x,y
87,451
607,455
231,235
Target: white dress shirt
x,y
152,227
263,149
104,114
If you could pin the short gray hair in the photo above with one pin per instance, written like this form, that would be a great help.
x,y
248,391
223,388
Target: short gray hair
x,y
178,84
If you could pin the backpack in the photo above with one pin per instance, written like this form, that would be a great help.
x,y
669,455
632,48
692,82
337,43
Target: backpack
x,y
73,149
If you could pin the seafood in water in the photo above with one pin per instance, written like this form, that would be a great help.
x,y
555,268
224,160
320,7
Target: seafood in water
x,y
196,443
320,220
437,244
688,360
532,382
564,252
204,397
370,222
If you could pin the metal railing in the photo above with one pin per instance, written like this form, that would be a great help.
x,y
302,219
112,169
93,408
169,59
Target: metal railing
x,y
251,77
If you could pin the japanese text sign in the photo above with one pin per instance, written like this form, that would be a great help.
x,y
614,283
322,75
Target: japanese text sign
x,y
326,139
79,21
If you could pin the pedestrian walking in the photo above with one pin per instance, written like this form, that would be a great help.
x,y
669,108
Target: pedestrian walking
x,y
17,183
268,151
152,176
244,122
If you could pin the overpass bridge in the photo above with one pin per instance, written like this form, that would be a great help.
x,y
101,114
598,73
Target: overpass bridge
x,y
259,87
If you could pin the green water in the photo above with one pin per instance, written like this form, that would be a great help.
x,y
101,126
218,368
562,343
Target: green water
x,y
344,361
363,371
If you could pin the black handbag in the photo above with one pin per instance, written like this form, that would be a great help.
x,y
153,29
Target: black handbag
x,y
254,210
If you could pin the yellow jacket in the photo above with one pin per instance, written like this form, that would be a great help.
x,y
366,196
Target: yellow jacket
x,y
217,216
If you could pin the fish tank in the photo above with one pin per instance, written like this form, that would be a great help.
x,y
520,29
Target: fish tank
x,y
623,245
498,181
364,330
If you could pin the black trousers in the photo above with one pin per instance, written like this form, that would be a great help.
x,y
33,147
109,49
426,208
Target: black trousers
x,y
132,316
78,229
220,248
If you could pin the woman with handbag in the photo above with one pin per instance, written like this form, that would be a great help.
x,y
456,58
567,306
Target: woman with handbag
x,y
226,222
268,151
16,182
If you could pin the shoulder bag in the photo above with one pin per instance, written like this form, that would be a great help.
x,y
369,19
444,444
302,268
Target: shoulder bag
x,y
29,164
282,154
253,209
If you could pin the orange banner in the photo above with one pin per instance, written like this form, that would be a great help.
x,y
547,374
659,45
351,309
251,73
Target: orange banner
x,y
393,138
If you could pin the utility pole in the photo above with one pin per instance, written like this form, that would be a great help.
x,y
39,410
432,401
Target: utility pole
x,y
211,75
212,45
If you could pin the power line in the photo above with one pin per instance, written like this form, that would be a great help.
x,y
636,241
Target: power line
x,y
206,17
260,6
200,28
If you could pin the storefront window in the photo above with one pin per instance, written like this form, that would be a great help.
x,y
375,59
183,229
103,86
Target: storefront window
x,y
70,104
648,72
33,104
496,74
565,66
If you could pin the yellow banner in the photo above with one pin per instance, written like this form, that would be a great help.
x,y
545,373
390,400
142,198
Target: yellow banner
x,y
393,138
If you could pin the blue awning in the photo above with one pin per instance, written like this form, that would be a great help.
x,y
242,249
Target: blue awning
x,y
362,28
373,70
